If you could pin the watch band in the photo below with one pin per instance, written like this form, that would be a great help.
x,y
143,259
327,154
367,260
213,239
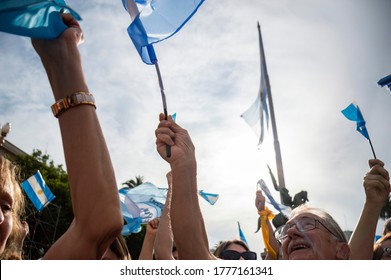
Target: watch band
x,y
73,100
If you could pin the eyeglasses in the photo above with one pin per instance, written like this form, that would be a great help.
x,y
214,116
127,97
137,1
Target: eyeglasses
x,y
233,255
302,225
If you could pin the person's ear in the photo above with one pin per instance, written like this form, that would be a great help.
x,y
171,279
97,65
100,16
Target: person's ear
x,y
343,251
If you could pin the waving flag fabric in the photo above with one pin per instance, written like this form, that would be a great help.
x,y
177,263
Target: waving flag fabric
x,y
257,116
148,198
156,20
241,235
386,81
353,113
209,197
285,210
38,192
34,18
131,214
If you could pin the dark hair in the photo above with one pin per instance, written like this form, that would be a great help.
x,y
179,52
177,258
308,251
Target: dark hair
x,y
120,249
378,249
223,245
387,226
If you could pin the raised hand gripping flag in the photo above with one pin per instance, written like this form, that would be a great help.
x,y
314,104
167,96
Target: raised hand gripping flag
x,y
153,21
34,18
209,197
386,81
353,113
37,190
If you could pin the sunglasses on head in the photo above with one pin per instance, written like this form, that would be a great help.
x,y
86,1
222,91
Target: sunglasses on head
x,y
233,255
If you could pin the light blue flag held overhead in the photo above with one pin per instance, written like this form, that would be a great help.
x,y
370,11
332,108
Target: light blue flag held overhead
x,y
34,18
37,190
241,235
153,21
131,214
386,81
353,113
141,204
209,197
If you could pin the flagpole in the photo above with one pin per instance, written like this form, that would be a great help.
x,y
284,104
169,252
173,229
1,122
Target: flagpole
x,y
159,76
280,171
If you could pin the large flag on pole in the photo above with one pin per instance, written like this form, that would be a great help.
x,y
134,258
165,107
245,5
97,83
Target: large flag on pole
x,y
241,234
353,113
386,81
37,190
34,18
257,116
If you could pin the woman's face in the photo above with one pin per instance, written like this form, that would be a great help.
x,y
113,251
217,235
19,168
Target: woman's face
x,y
6,217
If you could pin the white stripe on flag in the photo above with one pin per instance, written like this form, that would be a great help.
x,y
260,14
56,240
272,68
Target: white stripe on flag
x,y
37,189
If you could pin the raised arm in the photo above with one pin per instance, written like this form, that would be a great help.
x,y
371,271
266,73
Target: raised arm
x,y
271,244
377,189
186,218
149,240
97,216
164,236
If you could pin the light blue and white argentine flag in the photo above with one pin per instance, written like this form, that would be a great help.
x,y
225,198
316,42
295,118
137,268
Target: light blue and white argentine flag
x,y
209,197
37,190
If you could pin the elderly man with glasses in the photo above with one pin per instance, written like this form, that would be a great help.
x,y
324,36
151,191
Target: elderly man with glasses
x,y
312,234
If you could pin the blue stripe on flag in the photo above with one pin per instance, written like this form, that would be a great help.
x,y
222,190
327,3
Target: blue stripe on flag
x,y
209,197
155,21
241,235
34,18
353,113
37,190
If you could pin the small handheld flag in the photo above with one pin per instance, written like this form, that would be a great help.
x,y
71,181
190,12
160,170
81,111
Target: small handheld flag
x,y
155,21
37,190
353,113
241,235
34,18
386,81
209,197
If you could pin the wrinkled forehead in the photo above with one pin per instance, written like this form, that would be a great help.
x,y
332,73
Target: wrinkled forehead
x,y
301,216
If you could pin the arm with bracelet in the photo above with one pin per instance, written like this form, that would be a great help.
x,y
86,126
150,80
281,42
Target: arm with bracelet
x,y
95,201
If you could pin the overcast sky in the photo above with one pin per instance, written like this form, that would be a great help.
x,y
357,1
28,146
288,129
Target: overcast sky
x,y
321,55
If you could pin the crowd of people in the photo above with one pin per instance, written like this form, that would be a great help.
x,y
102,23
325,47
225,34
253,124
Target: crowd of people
x,y
180,233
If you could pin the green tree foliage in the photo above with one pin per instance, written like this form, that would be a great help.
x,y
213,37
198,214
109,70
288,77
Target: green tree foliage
x,y
134,183
48,225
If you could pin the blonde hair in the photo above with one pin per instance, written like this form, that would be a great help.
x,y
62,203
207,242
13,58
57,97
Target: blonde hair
x,y
9,174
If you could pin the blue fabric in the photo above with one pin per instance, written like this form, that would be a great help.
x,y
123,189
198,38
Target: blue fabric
x,y
156,20
353,113
141,204
386,81
241,235
285,210
209,197
34,18
37,190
